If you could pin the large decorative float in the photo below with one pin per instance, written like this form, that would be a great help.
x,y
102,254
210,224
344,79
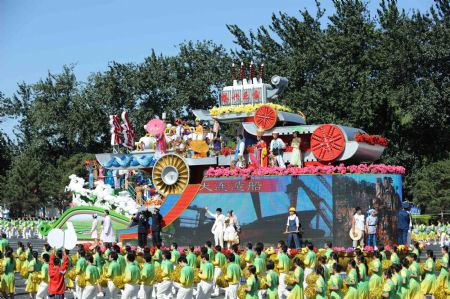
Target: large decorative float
x,y
338,170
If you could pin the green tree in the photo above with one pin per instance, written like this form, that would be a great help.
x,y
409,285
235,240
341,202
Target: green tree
x,y
432,187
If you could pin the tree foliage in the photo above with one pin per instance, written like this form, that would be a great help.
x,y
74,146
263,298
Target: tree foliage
x,y
385,72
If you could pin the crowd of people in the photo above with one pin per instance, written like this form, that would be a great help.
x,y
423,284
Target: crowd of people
x,y
22,228
437,234
253,272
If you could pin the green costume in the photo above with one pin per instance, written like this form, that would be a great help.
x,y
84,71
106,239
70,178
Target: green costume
x,y
414,282
252,283
7,282
113,270
272,291
206,271
283,263
429,282
187,276
352,278
132,274
297,291
191,259
390,289
220,260
260,266
175,255
148,274
321,288
167,269
363,284
376,281
92,275
336,282
442,280
234,273
249,256
405,275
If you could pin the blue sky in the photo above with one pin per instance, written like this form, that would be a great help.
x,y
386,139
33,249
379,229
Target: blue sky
x,y
41,36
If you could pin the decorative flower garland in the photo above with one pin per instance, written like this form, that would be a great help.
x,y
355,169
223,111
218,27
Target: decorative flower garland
x,y
340,169
245,109
372,139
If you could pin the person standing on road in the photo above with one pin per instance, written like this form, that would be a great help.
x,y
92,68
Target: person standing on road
x,y
108,232
56,285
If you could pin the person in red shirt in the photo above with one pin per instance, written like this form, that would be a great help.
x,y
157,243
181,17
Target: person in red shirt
x,y
56,271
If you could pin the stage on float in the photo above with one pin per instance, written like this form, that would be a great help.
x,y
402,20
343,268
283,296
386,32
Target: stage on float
x,y
325,205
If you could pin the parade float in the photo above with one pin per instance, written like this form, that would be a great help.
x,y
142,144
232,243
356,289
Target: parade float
x,y
192,167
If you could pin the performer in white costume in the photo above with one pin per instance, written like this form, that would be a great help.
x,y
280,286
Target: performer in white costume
x,y
218,227
108,232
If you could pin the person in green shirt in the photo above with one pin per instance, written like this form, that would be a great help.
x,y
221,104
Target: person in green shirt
x,y
219,261
283,267
310,259
3,243
389,289
394,256
397,278
249,255
233,277
148,276
428,284
34,265
158,256
175,253
321,286
406,276
442,280
414,282
376,280
259,262
235,251
164,288
208,245
252,286
383,253
416,250
191,257
92,277
363,284
131,278
7,279
352,280
328,249
42,291
185,290
263,255
272,281
205,287
335,283
297,290
80,269
113,272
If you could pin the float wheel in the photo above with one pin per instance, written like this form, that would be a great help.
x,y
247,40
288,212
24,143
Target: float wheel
x,y
265,117
327,142
170,174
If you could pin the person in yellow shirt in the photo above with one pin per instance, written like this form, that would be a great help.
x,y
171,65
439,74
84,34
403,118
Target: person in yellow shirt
x,y
147,277
131,278
186,279
233,277
80,269
205,287
164,288
92,276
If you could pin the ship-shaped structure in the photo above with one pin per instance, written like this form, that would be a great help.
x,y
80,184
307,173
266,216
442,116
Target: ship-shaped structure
x,y
324,199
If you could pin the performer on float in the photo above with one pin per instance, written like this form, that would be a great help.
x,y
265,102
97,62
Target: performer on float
x,y
198,134
239,153
94,233
179,131
296,158
276,149
108,232
161,146
218,227
261,151
293,229
358,227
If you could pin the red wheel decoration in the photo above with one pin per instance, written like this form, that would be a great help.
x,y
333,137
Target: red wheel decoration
x,y
327,143
265,117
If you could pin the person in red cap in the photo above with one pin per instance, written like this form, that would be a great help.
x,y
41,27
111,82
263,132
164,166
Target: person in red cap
x,y
56,271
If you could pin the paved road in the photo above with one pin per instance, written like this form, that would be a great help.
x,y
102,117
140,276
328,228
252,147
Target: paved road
x,y
38,245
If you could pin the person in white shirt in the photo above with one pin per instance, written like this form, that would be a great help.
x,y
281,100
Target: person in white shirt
x,y
218,227
358,223
239,153
276,149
